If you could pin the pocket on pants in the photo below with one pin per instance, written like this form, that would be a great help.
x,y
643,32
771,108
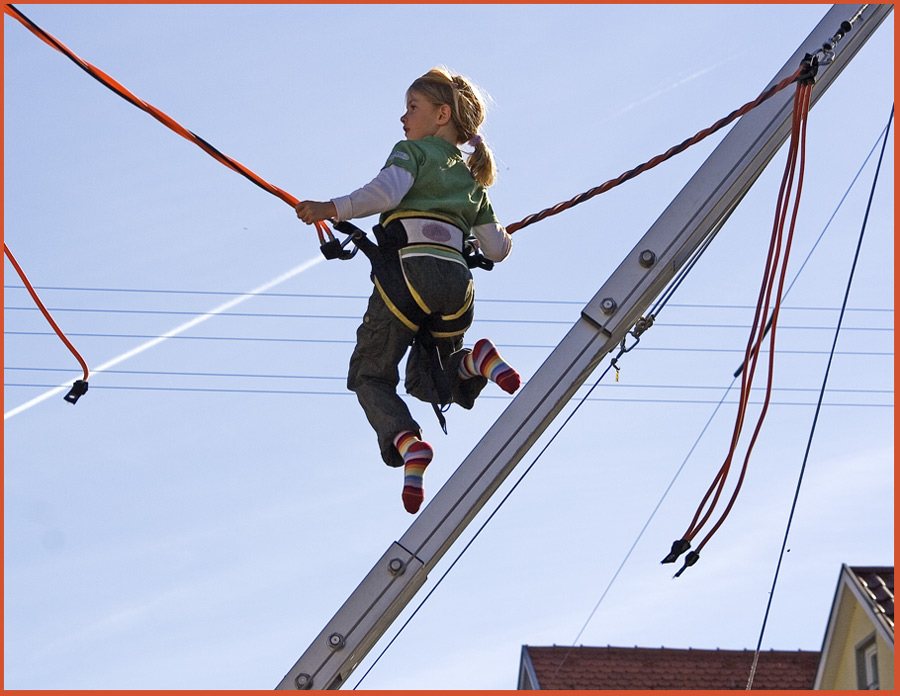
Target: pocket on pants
x,y
381,341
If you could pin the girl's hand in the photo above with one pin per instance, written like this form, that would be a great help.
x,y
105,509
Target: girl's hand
x,y
314,211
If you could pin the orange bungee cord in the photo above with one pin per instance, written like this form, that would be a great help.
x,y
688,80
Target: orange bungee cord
x,y
770,296
80,386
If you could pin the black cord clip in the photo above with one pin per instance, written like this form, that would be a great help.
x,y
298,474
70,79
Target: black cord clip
x,y
810,65
689,560
333,249
678,548
79,388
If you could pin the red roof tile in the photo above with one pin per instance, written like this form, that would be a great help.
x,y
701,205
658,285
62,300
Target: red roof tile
x,y
667,668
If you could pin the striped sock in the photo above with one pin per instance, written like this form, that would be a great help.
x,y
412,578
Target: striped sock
x,y
416,457
484,360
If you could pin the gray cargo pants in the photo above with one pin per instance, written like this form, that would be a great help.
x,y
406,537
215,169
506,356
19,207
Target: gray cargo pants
x,y
382,340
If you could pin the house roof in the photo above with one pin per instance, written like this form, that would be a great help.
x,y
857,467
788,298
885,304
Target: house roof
x,y
870,588
588,668
877,584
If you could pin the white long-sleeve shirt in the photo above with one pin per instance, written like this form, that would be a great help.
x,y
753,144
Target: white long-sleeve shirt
x,y
386,192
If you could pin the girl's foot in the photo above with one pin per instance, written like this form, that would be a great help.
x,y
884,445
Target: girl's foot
x,y
484,360
416,457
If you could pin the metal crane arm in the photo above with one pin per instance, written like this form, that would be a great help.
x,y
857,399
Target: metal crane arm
x,y
698,211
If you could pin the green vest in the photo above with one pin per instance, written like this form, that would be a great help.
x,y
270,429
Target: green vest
x,y
443,186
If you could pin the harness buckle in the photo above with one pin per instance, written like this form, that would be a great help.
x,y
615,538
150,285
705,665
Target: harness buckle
x,y
475,259
332,248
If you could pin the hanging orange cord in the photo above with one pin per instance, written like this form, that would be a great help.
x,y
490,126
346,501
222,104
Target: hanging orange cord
x,y
770,296
166,120
80,386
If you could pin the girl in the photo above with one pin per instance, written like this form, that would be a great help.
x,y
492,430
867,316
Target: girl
x,y
431,203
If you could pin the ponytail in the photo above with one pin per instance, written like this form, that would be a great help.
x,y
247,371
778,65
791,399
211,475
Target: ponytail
x,y
481,164
467,106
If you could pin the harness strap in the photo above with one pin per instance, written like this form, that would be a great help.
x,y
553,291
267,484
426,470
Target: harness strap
x,y
400,297
441,383
409,307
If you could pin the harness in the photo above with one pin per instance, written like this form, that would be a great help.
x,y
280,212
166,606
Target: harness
x,y
403,300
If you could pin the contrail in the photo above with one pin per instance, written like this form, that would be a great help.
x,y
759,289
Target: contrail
x,y
174,332
674,85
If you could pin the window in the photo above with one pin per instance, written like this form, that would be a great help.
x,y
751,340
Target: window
x,y
867,664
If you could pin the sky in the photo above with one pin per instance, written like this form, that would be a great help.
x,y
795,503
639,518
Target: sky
x,y
201,513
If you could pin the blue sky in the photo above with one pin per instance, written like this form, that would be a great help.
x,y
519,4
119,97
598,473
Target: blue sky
x,y
198,517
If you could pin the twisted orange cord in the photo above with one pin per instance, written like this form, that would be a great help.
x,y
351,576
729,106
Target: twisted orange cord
x,y
659,159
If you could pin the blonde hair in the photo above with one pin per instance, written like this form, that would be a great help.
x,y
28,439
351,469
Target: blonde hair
x,y
467,107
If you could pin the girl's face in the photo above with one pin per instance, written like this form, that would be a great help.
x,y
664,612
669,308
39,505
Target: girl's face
x,y
422,118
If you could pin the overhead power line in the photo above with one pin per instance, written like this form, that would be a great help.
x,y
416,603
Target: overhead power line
x,y
355,318
264,339
247,375
481,300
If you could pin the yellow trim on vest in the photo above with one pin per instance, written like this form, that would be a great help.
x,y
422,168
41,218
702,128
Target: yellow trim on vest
x,y
418,214
448,334
412,291
470,298
434,251
391,306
